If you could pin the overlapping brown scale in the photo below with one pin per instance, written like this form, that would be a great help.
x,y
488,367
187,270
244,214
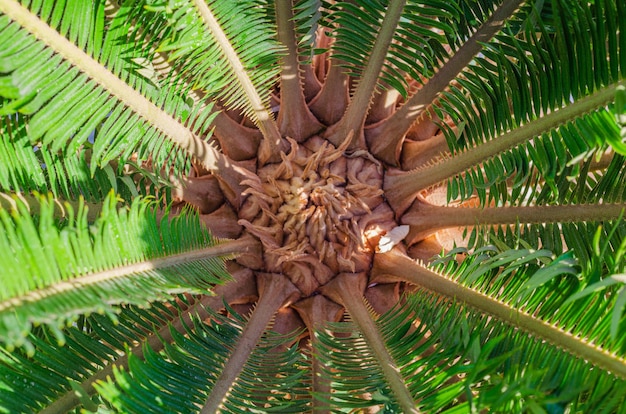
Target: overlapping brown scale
x,y
306,211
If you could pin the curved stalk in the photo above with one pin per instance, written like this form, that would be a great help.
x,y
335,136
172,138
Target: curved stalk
x,y
227,249
386,138
347,289
315,311
274,292
271,136
354,118
206,154
295,120
402,187
401,267
155,341
425,219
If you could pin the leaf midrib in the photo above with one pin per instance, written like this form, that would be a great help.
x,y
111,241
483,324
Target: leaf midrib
x,y
175,131
406,269
230,248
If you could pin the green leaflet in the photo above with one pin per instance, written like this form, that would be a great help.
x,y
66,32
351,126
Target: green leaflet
x,y
183,374
432,344
29,67
57,270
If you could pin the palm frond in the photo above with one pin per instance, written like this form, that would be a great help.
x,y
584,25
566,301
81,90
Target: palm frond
x,y
307,15
94,344
196,355
595,244
225,67
510,70
455,360
133,125
547,287
26,168
420,45
93,268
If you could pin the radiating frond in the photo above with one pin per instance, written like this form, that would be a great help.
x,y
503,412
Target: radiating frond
x,y
128,122
307,14
184,373
511,70
94,267
420,45
92,345
28,168
208,63
455,360
546,287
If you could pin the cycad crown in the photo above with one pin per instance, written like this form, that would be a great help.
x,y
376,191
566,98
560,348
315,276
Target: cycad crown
x,y
298,205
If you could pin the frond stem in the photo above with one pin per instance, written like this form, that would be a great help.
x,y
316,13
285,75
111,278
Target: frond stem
x,y
315,311
347,289
354,118
425,219
226,249
295,120
206,154
390,133
275,290
401,267
402,187
271,136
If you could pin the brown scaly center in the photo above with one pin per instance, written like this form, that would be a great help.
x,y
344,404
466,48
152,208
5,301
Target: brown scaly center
x,y
318,213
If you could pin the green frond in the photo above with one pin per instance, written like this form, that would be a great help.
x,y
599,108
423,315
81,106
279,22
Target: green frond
x,y
191,366
184,37
512,70
576,184
125,256
121,107
455,360
547,287
307,15
536,170
421,42
27,383
351,369
420,45
356,28
92,346
26,168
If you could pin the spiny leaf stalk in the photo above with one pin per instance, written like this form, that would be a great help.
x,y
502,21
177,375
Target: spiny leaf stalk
x,y
405,268
425,218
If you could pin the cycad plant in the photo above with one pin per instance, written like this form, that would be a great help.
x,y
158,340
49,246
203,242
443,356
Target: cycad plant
x,y
297,205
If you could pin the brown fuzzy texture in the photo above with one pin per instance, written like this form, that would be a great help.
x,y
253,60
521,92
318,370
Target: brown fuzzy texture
x,y
312,212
